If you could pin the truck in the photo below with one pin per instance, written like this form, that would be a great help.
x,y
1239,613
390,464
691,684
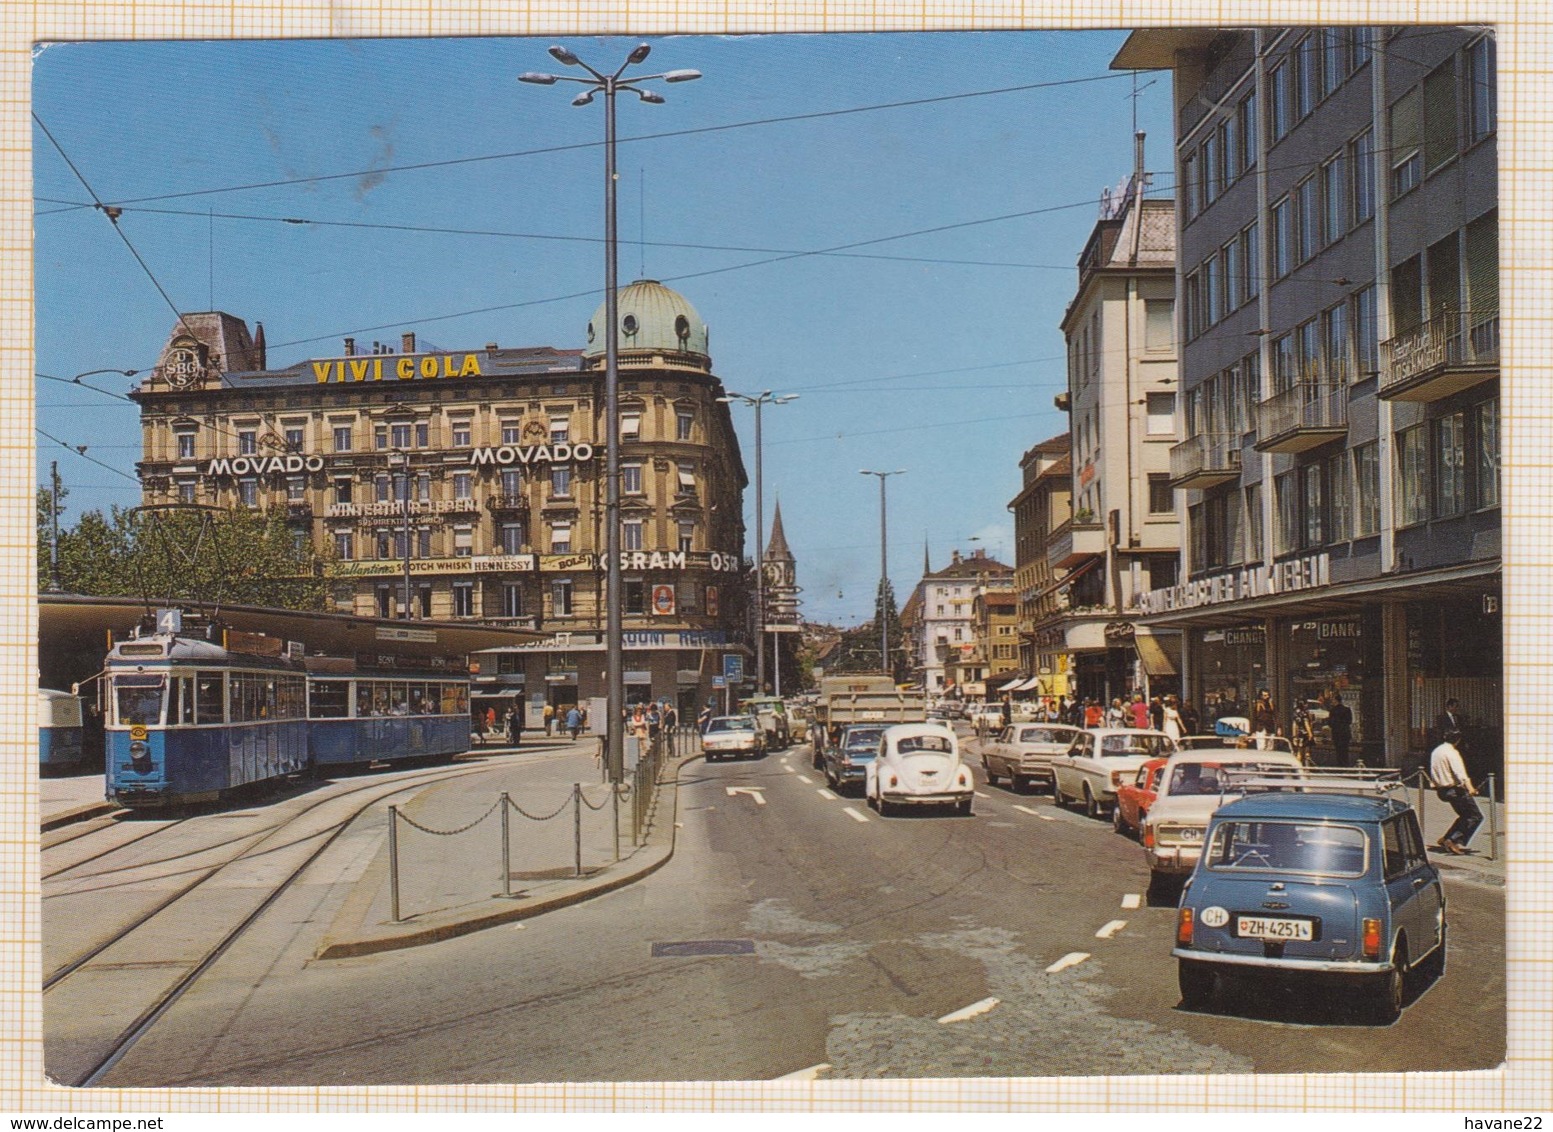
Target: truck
x,y
861,698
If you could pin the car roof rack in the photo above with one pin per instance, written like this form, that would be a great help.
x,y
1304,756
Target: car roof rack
x,y
1314,780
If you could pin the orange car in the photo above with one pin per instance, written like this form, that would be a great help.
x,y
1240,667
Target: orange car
x,y
1134,799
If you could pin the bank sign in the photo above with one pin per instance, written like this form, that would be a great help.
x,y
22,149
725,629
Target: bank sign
x,y
1241,585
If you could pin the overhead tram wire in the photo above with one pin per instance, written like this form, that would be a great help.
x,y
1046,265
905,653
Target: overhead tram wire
x,y
727,126
81,450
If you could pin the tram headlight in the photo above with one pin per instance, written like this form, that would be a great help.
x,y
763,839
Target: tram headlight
x,y
140,755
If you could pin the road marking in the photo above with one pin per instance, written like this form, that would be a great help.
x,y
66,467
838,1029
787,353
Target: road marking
x,y
824,793
1072,959
808,1074
979,794
753,791
806,778
1028,810
1132,900
790,770
854,815
1110,929
970,1011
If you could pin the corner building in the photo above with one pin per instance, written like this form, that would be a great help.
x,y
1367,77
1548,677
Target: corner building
x,y
480,472
1339,315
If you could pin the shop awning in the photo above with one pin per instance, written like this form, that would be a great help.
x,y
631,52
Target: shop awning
x,y
1029,685
1160,656
1013,684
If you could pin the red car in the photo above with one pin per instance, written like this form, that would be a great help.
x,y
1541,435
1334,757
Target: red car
x,y
1134,799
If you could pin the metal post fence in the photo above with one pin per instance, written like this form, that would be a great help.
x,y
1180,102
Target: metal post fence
x,y
393,863
577,826
1493,819
506,847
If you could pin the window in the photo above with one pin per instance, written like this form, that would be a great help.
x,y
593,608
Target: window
x,y
463,485
1407,295
1213,170
631,479
423,542
463,435
1483,274
1306,69
1189,183
1485,423
511,599
1287,501
1282,219
561,537
1481,94
1361,41
1339,498
561,597
687,536
384,546
631,534
561,482
247,442
248,491
422,434
511,482
1361,159
510,538
1161,414
635,594
1314,505
1253,523
463,542
560,430
1337,355
293,438
296,488
1412,489
1334,59
630,426
1366,513
1285,363
1334,199
1248,127
423,486
342,438
1366,334
380,437
1406,138
1212,292
385,601
463,599
687,478
399,435
1251,269
1234,281
1450,465
1278,102
344,545
1161,498
186,491
185,446
684,423
1308,208
1159,324
1440,141
511,432
1229,146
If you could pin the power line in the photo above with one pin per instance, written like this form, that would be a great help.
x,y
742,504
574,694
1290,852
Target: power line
x,y
908,428
80,450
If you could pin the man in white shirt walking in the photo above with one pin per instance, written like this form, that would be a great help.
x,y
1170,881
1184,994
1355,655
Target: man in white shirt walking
x,y
1451,784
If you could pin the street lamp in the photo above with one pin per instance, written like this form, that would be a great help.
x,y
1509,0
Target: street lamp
x,y
763,398
884,570
609,84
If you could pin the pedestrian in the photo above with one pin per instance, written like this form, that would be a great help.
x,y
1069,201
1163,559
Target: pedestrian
x,y
654,721
574,721
1264,716
1140,712
1094,715
1190,720
670,717
1303,737
1076,712
1170,718
1008,709
1115,716
1452,786
490,720
704,718
515,724
1340,724
1156,713
549,719
1451,719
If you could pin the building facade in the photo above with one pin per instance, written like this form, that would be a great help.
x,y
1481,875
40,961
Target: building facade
x,y
1042,507
1123,538
1339,314
469,485
945,621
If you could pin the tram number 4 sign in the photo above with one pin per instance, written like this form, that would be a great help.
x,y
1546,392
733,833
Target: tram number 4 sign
x,y
663,600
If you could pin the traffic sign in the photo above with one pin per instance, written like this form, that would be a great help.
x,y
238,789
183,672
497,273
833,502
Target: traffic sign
x,y
733,667
719,682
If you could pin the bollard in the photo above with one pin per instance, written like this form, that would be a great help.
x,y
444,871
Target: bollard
x,y
1422,778
393,863
506,848
1493,819
577,824
614,803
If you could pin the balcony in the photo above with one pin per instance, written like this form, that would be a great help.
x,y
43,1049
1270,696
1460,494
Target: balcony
x,y
1205,460
1074,543
1306,415
1449,353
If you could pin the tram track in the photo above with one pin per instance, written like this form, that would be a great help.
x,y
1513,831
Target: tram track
x,y
151,931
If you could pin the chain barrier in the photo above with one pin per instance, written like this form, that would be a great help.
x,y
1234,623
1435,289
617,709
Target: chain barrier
x,y
412,823
559,810
602,802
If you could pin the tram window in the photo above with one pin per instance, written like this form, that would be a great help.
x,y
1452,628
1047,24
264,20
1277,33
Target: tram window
x,y
207,697
174,699
418,705
330,699
138,699
380,702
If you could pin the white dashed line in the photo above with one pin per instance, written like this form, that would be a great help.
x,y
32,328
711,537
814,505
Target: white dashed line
x,y
854,815
808,1074
970,1011
1028,810
979,794
824,793
1132,900
789,770
806,778
1072,959
1110,929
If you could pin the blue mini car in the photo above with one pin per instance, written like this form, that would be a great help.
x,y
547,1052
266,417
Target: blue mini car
x,y
1332,888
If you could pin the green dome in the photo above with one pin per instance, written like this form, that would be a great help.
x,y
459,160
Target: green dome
x,y
652,318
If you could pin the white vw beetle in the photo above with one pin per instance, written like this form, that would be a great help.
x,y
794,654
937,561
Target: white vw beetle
x,y
918,765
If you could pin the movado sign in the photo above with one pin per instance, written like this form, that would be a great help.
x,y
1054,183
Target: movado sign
x,y
533,454
263,465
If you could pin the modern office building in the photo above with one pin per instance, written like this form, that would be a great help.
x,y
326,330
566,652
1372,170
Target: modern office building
x,y
1337,233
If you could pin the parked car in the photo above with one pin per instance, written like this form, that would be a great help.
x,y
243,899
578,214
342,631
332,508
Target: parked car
x,y
1134,798
986,716
1195,784
1303,887
918,764
1023,752
846,762
1234,742
728,736
1100,761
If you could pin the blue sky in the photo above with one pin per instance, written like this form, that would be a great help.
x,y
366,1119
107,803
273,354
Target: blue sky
x,y
938,352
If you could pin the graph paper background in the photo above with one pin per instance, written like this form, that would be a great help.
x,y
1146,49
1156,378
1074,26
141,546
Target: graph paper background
x,y
1526,159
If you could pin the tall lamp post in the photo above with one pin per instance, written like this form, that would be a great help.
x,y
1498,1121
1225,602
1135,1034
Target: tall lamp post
x,y
763,398
884,570
608,85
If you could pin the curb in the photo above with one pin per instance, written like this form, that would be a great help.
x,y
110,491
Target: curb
x,y
347,939
77,814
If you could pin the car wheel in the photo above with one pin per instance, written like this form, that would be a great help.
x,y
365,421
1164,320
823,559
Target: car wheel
x,y
1390,990
1197,982
1432,966
992,779
963,808
1018,783
1119,823
1091,807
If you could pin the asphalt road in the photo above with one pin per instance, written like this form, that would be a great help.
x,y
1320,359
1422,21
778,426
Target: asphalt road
x,y
1015,942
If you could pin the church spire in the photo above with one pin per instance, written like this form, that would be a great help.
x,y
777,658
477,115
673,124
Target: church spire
x,y
777,547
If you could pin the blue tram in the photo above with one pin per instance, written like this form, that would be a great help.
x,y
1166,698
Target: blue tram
x,y
359,716
60,730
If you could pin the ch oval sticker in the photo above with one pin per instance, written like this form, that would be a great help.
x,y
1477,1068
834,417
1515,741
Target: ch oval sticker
x,y
1215,917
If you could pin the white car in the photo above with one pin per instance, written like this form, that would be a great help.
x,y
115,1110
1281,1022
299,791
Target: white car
x,y
989,716
1195,784
918,764
1102,759
729,736
1023,752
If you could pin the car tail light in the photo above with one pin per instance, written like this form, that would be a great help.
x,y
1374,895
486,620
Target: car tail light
x,y
1184,927
894,781
1148,837
1371,938
1117,778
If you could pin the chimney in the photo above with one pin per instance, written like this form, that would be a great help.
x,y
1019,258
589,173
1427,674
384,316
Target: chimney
x,y
350,347
490,346
258,346
407,340
979,552
956,558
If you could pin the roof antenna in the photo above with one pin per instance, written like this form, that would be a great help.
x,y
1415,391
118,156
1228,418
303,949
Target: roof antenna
x,y
641,188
